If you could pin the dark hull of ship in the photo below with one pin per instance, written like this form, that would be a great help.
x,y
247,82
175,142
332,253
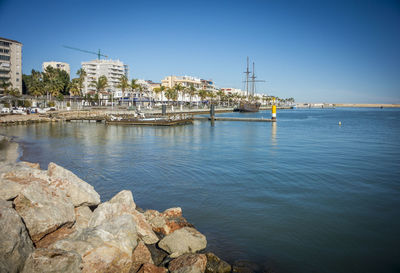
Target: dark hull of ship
x,y
248,107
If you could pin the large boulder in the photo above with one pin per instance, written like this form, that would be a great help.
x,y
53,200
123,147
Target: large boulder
x,y
79,192
82,217
151,268
9,189
18,176
167,221
140,255
188,263
216,265
44,260
184,240
15,244
106,259
43,210
107,247
122,204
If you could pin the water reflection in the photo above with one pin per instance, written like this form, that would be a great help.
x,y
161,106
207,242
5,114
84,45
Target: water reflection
x,y
273,133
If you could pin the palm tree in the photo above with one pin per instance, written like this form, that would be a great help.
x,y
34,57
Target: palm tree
x,y
100,85
179,89
192,92
171,94
123,84
203,94
159,90
5,85
81,76
134,85
220,95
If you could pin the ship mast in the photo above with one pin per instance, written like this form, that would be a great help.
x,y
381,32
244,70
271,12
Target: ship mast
x,y
253,80
247,72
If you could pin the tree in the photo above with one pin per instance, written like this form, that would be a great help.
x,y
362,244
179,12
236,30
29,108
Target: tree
x,y
100,85
134,85
220,95
123,84
5,86
191,91
34,83
171,94
203,94
179,89
81,78
74,88
159,90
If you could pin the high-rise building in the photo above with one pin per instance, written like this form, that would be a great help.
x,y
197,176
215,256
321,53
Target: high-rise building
x,y
112,69
57,65
10,64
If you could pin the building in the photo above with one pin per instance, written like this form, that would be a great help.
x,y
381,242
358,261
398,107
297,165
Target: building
x,y
112,69
10,64
234,91
56,65
187,81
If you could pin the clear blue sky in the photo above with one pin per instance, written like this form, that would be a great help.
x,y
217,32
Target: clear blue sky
x,y
314,51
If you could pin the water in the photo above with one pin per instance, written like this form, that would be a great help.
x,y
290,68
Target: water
x,y
303,194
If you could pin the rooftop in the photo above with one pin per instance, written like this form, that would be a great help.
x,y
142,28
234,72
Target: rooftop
x,y
9,40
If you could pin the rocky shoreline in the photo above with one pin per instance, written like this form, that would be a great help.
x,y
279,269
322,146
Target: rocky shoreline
x,y
53,221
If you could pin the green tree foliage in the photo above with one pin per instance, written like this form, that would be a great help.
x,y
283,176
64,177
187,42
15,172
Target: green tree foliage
x,y
123,84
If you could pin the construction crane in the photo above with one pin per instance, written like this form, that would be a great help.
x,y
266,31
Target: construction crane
x,y
86,51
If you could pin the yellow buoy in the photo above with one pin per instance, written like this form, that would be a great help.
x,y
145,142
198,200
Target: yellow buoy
x,y
340,123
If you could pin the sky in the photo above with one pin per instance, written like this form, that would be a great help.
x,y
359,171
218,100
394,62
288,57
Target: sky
x,y
314,51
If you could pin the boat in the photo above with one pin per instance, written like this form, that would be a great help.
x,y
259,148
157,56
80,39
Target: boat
x,y
154,120
248,105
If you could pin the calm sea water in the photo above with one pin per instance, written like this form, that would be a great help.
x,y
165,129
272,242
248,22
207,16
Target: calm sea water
x,y
303,194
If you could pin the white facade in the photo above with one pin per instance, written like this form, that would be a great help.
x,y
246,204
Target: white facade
x,y
11,63
56,65
112,69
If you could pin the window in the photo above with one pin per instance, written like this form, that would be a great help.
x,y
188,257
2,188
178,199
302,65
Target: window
x,y
4,44
17,80
3,57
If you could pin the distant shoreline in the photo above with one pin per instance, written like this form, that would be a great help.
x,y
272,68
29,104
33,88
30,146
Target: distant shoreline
x,y
369,105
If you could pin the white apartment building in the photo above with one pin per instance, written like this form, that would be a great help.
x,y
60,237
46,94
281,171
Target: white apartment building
x,y
112,69
11,63
56,65
234,91
187,81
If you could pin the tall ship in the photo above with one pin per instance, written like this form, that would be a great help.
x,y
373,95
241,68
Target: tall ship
x,y
250,104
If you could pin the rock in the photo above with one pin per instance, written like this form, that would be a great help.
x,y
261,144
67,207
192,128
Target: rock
x,y
188,263
166,222
9,189
124,198
44,260
144,229
173,212
121,204
140,255
82,217
31,165
18,176
157,255
151,268
43,210
216,265
245,267
55,236
80,192
184,240
105,248
107,259
15,244
119,232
